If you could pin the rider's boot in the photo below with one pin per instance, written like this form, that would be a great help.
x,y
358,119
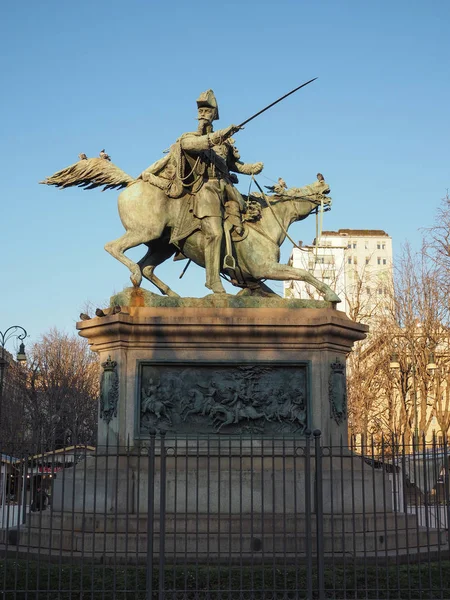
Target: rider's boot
x,y
212,227
233,213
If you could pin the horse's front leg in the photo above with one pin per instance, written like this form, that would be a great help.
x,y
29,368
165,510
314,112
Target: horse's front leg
x,y
286,272
116,248
189,412
227,422
168,417
216,423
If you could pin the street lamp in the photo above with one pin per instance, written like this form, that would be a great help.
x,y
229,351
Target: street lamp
x,y
394,365
431,366
18,332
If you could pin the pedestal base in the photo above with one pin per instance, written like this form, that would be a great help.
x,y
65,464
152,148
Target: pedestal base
x,y
252,367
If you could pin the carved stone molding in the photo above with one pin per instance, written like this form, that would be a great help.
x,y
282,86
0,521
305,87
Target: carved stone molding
x,y
109,390
338,392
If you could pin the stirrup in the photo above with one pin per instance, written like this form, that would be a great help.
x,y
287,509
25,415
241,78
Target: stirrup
x,y
229,262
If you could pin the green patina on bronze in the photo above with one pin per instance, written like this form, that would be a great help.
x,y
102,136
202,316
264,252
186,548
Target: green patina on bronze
x,y
222,398
186,203
142,297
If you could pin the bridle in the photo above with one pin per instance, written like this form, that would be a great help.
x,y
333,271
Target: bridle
x,y
319,202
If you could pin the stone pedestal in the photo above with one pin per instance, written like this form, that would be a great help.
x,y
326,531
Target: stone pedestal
x,y
264,366
234,385
231,388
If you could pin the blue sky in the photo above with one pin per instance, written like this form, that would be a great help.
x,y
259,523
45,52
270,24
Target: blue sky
x,y
82,76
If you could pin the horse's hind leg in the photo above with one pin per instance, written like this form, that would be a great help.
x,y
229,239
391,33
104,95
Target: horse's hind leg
x,y
228,421
116,248
286,272
157,254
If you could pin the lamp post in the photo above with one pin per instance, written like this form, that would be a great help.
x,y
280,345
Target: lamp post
x,y
17,332
394,365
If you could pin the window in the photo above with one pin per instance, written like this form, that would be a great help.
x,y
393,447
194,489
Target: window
x,y
355,260
379,260
378,246
324,260
383,246
367,260
349,260
354,244
368,291
349,245
384,261
380,291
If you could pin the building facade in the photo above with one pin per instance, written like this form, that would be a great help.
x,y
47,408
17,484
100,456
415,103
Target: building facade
x,y
355,263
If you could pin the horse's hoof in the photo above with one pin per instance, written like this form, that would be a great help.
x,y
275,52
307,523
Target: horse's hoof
x,y
136,280
216,288
172,294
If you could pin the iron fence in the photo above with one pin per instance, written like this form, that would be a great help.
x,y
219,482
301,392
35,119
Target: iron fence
x,y
227,517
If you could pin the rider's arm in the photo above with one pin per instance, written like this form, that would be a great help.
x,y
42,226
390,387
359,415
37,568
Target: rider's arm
x,y
245,168
198,143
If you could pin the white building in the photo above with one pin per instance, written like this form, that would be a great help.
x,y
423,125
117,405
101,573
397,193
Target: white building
x,y
356,263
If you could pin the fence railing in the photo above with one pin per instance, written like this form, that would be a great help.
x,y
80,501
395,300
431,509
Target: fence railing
x,y
226,517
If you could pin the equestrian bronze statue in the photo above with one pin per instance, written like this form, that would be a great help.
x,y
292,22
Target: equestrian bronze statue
x,y
186,205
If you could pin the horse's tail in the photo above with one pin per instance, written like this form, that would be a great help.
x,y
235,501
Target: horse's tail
x,y
89,174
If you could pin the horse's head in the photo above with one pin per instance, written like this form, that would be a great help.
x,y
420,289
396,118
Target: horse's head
x,y
316,192
295,203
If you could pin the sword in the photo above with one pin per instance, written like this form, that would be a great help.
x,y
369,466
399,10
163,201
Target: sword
x,y
185,268
276,102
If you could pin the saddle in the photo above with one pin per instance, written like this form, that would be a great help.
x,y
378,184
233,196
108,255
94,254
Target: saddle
x,y
186,224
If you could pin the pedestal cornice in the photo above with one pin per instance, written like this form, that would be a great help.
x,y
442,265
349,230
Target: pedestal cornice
x,y
147,327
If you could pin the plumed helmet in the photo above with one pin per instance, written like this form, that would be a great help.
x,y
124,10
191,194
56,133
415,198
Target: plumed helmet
x,y
208,99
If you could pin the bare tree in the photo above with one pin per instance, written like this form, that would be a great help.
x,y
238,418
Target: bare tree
x,y
364,386
437,248
437,241
440,390
412,329
13,395
62,391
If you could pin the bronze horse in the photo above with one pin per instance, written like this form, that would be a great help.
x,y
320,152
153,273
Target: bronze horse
x,y
149,217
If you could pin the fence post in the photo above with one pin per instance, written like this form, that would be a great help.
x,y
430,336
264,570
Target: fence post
x,y
162,515
150,514
447,487
308,516
404,482
319,514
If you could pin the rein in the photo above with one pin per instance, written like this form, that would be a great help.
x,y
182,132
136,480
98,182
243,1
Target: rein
x,y
319,225
284,230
